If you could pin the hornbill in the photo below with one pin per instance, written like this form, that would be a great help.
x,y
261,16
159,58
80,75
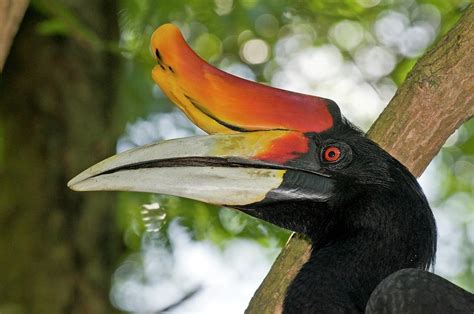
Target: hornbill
x,y
293,160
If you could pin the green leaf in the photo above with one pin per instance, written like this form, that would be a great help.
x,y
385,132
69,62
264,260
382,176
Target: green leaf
x,y
52,27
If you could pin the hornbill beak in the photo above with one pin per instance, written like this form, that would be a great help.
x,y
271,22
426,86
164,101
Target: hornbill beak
x,y
224,169
218,102
263,149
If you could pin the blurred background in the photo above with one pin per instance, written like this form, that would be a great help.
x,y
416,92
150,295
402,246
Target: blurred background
x,y
76,88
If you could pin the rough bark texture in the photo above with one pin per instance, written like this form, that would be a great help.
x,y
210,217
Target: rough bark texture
x,y
436,98
57,248
11,14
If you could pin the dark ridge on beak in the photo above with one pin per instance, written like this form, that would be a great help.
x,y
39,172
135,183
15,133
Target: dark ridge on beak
x,y
231,162
158,55
213,117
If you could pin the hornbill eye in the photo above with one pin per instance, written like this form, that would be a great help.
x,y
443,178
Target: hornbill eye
x,y
331,153
336,155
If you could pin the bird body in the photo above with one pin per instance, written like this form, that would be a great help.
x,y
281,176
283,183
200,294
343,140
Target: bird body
x,y
292,160
374,225
417,291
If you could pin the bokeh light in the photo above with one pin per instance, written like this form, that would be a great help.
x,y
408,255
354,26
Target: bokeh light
x,y
368,3
223,7
375,61
347,34
255,51
266,25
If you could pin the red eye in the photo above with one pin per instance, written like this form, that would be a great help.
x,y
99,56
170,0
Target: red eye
x,y
331,154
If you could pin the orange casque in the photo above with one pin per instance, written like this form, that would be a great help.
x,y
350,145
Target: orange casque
x,y
219,102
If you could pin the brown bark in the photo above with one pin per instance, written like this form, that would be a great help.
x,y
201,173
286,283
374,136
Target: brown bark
x,y
57,248
436,98
11,14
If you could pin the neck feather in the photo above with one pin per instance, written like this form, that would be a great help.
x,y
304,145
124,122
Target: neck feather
x,y
379,234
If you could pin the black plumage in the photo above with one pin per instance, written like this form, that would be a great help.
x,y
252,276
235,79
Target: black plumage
x,y
376,223
417,291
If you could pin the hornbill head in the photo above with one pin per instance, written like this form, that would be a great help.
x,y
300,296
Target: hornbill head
x,y
284,157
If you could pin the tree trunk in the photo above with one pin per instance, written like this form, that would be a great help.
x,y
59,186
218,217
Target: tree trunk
x,y
57,248
436,98
11,14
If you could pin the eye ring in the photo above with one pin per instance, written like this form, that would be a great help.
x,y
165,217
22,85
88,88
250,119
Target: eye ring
x,y
331,154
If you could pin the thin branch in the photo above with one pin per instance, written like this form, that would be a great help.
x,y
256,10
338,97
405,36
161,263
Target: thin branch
x,y
182,300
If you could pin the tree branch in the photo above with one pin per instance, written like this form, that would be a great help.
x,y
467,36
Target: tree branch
x,y
436,98
11,14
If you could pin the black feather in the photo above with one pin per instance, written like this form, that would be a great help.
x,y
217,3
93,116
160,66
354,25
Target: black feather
x,y
377,223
